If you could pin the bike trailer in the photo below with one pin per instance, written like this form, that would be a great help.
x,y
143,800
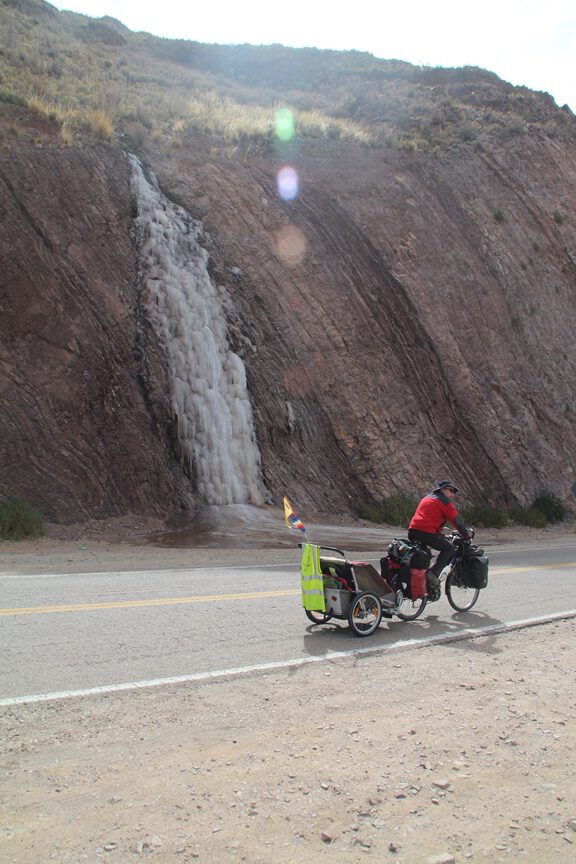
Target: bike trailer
x,y
331,583
344,579
474,571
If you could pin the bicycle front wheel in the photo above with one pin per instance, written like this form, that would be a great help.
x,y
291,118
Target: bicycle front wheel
x,y
459,596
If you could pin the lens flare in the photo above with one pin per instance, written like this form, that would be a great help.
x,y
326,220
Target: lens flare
x,y
284,124
291,245
288,183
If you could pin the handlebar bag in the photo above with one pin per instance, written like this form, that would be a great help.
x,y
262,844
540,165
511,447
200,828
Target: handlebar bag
x,y
474,571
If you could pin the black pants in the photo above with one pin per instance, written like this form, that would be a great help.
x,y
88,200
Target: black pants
x,y
438,542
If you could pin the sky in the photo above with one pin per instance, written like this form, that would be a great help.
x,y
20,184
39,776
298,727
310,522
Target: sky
x,y
524,42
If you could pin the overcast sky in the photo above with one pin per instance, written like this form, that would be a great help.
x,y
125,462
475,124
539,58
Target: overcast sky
x,y
524,42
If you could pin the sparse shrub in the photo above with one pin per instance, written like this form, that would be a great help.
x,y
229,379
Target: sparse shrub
x,y
100,123
485,517
11,98
399,508
558,218
19,520
396,509
138,135
550,506
372,512
529,516
499,216
67,133
411,143
466,132
43,106
69,128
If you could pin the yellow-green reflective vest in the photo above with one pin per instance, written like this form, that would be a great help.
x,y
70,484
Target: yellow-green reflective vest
x,y
312,587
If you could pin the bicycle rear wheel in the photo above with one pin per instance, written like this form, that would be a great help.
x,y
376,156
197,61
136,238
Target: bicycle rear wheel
x,y
411,609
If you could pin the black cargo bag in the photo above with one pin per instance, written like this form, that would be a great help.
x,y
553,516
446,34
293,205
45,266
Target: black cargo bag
x,y
474,571
420,558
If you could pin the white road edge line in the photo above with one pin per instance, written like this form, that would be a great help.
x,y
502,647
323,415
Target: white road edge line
x,y
407,644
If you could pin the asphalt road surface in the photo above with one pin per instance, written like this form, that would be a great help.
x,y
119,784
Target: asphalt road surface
x,y
68,633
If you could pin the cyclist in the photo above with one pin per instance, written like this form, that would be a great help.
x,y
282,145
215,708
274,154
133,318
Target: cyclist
x,y
432,512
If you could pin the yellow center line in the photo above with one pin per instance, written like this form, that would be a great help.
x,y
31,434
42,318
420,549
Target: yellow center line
x,y
500,570
211,598
160,601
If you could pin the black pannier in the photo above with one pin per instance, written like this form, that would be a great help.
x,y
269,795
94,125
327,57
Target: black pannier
x,y
420,558
474,571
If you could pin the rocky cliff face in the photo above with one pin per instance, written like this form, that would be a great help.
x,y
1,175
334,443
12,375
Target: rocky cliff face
x,y
407,316
85,430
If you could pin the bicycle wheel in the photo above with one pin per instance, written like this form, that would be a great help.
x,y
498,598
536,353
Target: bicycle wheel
x,y
318,617
365,613
411,609
459,596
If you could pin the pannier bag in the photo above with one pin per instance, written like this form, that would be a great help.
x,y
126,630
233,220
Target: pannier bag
x,y
474,571
388,568
417,583
419,563
420,558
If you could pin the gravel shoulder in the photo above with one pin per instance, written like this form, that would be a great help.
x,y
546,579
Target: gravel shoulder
x,y
122,545
450,753
459,752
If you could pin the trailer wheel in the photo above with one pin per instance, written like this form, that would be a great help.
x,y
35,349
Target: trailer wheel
x,y
365,613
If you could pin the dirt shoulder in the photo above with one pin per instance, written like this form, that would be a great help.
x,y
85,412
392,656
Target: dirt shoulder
x,y
460,752
135,545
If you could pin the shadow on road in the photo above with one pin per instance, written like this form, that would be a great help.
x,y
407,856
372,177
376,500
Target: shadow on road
x,y
325,639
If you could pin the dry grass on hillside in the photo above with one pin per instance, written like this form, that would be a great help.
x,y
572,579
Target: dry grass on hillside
x,y
99,79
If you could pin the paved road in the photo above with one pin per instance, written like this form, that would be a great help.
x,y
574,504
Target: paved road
x,y
71,632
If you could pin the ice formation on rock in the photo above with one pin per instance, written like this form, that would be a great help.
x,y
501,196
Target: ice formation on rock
x,y
209,394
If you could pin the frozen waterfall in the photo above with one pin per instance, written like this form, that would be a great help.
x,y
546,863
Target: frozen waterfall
x,y
208,381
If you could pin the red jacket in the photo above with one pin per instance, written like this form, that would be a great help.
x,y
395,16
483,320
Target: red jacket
x,y
432,512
